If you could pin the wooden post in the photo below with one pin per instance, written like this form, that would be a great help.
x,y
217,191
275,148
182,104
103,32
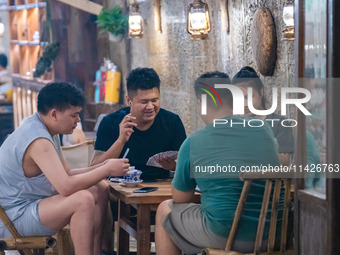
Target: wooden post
x,y
225,15
157,15
15,107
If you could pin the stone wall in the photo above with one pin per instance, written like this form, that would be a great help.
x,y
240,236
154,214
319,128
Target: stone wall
x,y
179,60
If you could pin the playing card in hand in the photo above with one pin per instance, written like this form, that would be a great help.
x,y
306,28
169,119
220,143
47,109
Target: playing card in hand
x,y
155,159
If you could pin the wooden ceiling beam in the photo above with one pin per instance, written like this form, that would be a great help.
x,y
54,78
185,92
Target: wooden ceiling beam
x,y
84,5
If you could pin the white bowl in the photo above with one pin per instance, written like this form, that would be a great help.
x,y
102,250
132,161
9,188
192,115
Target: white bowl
x,y
130,184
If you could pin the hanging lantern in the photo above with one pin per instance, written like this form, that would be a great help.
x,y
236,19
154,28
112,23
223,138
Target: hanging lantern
x,y
198,20
288,19
135,22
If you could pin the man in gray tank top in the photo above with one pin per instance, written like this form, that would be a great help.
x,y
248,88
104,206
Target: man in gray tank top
x,y
38,190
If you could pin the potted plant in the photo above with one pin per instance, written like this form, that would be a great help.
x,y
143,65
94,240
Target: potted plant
x,y
113,21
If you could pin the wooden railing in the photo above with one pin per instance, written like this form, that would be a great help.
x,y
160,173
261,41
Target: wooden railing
x,y
25,95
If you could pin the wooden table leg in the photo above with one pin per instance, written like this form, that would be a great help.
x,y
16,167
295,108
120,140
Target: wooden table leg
x,y
123,236
143,229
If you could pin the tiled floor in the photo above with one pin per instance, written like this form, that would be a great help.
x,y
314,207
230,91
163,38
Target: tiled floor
x,y
133,246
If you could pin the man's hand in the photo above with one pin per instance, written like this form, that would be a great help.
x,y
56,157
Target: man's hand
x,y
126,128
168,163
116,167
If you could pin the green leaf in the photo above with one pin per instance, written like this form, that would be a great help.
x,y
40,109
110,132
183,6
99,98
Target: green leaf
x,y
113,20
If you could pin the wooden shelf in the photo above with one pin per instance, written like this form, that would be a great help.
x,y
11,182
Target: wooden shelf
x,y
26,21
30,43
26,6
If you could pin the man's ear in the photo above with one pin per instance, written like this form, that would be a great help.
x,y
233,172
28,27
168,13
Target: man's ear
x,y
128,100
53,114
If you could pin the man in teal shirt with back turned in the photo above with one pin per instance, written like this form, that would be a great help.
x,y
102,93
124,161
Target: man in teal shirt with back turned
x,y
211,159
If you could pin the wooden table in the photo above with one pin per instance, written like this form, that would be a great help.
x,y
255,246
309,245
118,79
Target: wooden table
x,y
145,203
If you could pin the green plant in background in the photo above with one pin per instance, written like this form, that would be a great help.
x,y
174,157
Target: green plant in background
x,y
44,63
113,20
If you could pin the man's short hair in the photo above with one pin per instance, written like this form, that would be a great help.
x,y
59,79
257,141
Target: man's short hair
x,y
247,75
3,60
207,81
142,78
61,96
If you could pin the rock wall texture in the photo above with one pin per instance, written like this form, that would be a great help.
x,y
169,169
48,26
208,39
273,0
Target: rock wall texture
x,y
179,60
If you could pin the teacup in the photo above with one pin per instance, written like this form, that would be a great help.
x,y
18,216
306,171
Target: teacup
x,y
133,175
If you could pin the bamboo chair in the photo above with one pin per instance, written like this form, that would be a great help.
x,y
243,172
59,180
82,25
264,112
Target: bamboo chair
x,y
79,155
248,178
23,244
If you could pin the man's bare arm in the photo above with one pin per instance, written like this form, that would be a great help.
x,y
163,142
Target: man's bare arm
x,y
42,152
181,196
125,131
76,171
83,170
113,152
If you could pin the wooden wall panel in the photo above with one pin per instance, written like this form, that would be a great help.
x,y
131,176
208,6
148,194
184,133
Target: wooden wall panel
x,y
24,60
312,217
22,25
13,23
33,57
15,58
32,22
